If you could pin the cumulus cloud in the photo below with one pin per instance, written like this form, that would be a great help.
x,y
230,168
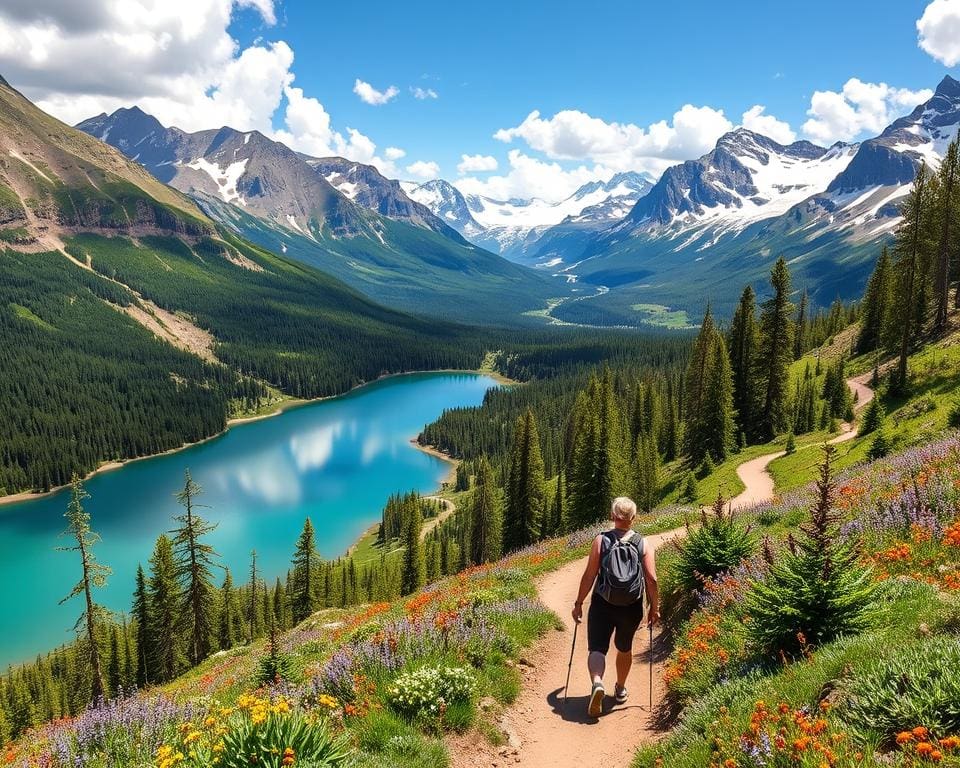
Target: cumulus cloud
x,y
858,108
476,164
754,119
81,57
424,93
531,177
422,169
370,95
575,135
938,31
394,153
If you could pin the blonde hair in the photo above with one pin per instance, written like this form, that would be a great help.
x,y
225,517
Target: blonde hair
x,y
623,509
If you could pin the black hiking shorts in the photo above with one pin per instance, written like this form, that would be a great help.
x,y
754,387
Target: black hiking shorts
x,y
605,620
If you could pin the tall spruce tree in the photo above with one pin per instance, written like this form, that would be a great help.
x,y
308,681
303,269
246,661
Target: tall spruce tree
x,y
876,305
698,373
526,492
93,575
717,418
646,472
164,601
195,564
414,574
228,613
305,578
800,334
596,474
743,349
947,211
486,521
774,355
254,619
910,247
141,617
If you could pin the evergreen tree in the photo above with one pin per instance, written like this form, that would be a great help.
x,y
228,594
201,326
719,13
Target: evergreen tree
x,y
800,336
647,473
141,617
774,355
485,516
115,668
526,493
947,210
743,348
872,417
909,251
228,613
717,419
414,574
305,575
164,601
254,620
280,603
876,305
93,575
596,472
698,373
195,562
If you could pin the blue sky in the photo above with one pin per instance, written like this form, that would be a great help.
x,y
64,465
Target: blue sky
x,y
618,85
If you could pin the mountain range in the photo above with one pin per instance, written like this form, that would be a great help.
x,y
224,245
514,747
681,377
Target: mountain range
x,y
340,216
721,220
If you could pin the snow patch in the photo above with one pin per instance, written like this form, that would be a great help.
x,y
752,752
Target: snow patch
x,y
226,179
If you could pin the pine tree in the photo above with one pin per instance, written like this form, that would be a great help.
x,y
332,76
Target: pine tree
x,y
414,574
596,473
526,493
948,209
115,668
164,601
774,355
141,616
485,516
195,562
280,604
698,373
743,348
717,419
305,575
228,613
876,305
93,575
799,338
647,473
254,622
909,250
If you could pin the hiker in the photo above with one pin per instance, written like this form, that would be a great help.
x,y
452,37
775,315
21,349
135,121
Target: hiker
x,y
619,570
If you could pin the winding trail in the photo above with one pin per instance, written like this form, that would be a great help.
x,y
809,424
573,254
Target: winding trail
x,y
541,731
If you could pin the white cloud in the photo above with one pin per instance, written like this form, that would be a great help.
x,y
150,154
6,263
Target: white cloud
x,y
938,31
424,170
173,57
530,177
394,153
858,108
424,93
370,95
476,164
754,119
575,135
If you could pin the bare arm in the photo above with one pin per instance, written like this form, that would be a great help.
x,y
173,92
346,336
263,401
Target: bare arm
x,y
650,578
586,581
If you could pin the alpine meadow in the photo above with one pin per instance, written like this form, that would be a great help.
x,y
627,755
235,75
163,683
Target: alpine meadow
x,y
469,387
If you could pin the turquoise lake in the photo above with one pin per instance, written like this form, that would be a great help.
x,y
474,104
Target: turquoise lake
x,y
336,461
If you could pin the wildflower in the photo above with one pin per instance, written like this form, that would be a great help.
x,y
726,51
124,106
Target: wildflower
x,y
288,756
924,748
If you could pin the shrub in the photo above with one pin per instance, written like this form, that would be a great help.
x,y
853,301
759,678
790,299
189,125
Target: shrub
x,y
276,666
791,446
818,589
690,490
706,467
880,446
953,418
872,417
914,685
429,691
718,545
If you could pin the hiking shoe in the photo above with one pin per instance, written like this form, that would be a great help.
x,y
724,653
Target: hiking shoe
x,y
595,707
620,694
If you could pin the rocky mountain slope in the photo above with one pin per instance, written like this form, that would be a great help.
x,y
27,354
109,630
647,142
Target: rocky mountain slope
x,y
340,216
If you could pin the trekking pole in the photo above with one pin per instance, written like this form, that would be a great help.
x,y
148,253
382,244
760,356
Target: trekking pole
x,y
651,667
566,686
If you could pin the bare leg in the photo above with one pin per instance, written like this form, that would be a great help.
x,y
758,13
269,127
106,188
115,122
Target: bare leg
x,y
596,665
624,663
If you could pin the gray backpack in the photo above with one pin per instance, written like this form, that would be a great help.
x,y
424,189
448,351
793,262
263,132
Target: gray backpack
x,y
620,581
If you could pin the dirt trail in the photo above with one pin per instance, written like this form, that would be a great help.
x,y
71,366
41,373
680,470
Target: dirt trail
x,y
545,734
754,475
542,732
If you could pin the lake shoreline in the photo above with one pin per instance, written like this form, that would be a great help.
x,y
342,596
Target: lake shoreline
x,y
282,407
